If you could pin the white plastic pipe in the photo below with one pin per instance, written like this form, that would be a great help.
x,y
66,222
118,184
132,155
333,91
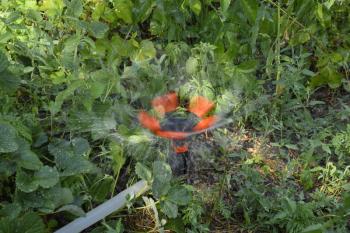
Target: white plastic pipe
x,y
105,208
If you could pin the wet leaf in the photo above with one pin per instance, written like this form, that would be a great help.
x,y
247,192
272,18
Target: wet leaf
x,y
46,177
28,223
98,29
179,195
75,8
123,10
27,158
11,210
69,158
25,182
169,208
73,209
8,141
162,171
143,172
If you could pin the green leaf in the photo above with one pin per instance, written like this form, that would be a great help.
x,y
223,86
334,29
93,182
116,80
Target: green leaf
x,y
303,37
121,47
143,9
80,146
346,198
175,225
291,205
143,172
102,127
247,66
98,11
179,195
101,188
162,176
136,139
316,228
118,158
304,9
75,8
41,139
27,158
123,9
300,38
69,157
3,62
320,14
58,77
192,65
25,182
7,168
52,7
327,75
98,29
160,188
34,15
58,196
73,209
55,107
329,4
224,4
74,165
250,9
46,177
7,138
69,57
11,210
279,216
169,208
31,223
28,223
195,6
162,171
97,88
147,51
8,81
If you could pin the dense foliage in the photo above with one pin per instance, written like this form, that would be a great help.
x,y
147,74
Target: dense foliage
x,y
74,74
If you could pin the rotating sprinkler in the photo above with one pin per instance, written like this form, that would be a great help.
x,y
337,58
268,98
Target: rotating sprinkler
x,y
177,125
171,124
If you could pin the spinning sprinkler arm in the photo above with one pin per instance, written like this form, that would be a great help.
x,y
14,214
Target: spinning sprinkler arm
x,y
175,127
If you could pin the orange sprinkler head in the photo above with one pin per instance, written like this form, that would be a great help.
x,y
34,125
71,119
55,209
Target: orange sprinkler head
x,y
181,149
200,106
175,127
206,123
165,103
149,122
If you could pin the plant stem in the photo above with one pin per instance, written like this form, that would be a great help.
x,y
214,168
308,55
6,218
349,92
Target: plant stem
x,y
279,88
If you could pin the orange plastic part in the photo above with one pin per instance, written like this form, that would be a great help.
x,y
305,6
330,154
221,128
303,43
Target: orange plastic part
x,y
181,149
200,106
206,123
149,122
172,134
165,103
